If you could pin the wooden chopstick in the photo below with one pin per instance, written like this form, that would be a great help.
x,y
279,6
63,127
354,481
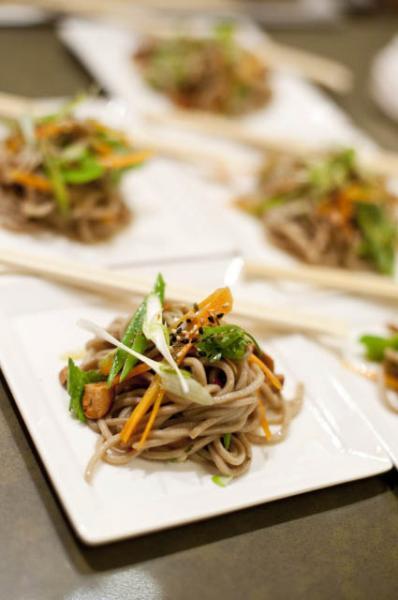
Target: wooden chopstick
x,y
375,286
117,282
381,162
324,71
226,127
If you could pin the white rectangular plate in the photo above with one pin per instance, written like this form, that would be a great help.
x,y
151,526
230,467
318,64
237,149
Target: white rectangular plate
x,y
329,442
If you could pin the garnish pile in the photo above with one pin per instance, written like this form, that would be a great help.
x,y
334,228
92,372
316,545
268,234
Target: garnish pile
x,y
176,382
62,174
212,74
327,211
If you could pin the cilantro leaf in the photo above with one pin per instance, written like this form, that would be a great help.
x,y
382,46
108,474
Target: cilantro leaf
x,y
224,341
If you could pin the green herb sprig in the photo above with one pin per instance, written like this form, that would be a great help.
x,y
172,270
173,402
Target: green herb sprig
x,y
133,336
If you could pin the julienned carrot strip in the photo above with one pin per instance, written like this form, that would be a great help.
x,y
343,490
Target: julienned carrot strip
x,y
47,130
267,372
180,357
121,161
140,410
32,180
263,420
102,148
182,353
391,382
154,413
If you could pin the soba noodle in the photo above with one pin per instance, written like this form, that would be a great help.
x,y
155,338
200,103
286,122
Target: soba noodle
x,y
326,212
219,436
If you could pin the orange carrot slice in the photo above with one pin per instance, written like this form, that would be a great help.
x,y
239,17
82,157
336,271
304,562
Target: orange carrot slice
x,y
267,372
140,410
152,418
263,420
31,180
122,161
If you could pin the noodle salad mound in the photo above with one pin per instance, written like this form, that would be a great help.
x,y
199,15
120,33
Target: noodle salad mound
x,y
177,383
212,74
326,211
61,174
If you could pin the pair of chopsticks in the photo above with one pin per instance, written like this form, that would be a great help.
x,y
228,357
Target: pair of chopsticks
x,y
381,162
156,18
105,281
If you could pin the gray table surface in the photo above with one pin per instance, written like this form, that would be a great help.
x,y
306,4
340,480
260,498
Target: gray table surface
x,y
335,543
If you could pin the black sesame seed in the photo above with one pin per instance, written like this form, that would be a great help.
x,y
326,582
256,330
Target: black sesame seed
x,y
211,319
196,306
201,330
189,320
220,315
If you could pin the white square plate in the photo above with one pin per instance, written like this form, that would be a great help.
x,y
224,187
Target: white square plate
x,y
329,441
174,210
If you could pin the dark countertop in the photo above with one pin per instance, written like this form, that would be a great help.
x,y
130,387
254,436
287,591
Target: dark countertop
x,y
335,543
